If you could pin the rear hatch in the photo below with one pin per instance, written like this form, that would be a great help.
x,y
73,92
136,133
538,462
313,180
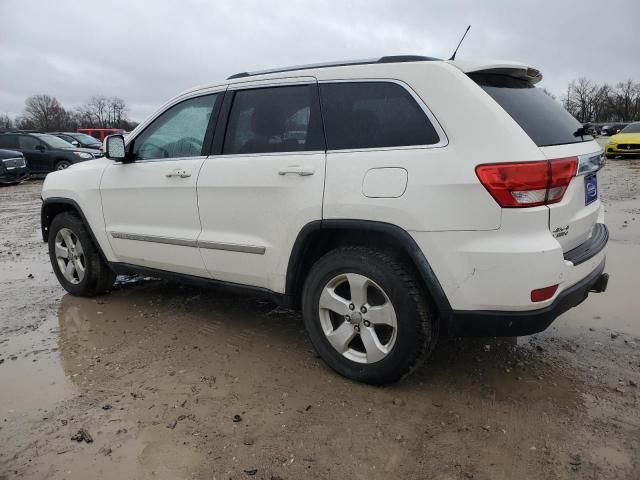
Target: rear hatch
x,y
573,157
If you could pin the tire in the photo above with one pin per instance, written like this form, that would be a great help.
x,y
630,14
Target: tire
x,y
89,275
388,280
62,164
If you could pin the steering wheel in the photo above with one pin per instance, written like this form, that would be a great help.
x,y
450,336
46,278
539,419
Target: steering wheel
x,y
152,146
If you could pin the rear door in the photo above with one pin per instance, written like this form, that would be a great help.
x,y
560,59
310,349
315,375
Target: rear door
x,y
557,134
266,182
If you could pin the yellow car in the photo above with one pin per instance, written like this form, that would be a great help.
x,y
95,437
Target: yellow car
x,y
625,143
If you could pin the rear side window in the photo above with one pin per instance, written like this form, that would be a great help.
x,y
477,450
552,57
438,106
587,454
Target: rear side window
x,y
29,143
540,116
8,141
274,119
373,115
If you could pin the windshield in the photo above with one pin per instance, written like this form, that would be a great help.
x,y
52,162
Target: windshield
x,y
55,142
539,115
631,128
88,139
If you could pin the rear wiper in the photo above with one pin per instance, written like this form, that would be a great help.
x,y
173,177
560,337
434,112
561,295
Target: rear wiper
x,y
582,131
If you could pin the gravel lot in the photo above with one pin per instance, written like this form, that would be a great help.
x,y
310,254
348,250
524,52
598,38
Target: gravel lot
x,y
173,382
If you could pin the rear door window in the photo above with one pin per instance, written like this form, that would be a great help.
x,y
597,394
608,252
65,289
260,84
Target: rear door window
x,y
540,116
274,119
373,115
8,141
29,143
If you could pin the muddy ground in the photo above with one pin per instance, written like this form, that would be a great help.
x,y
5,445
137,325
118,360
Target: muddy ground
x,y
173,382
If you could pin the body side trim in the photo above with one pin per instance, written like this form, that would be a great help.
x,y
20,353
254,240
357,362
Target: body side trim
x,y
231,247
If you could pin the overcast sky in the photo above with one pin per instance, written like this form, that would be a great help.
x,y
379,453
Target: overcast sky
x,y
146,51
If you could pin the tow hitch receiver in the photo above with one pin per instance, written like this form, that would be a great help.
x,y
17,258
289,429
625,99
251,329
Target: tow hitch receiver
x,y
600,285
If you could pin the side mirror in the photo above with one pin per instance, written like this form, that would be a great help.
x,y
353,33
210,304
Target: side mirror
x,y
75,143
40,148
114,147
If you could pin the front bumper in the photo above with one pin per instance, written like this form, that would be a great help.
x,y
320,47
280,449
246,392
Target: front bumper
x,y
14,176
504,323
614,150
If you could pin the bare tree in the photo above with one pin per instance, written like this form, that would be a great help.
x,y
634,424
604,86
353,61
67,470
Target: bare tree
x,y
44,113
626,101
5,122
591,102
103,112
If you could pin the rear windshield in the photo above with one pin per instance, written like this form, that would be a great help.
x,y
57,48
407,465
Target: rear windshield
x,y
540,116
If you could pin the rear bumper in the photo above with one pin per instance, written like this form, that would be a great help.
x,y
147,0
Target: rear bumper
x,y
504,323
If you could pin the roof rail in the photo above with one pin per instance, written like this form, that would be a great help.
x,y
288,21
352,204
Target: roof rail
x,y
387,59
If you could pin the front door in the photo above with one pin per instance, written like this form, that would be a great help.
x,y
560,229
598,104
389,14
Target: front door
x,y
150,203
35,153
266,185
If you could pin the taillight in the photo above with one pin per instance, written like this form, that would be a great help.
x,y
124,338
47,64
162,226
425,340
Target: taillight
x,y
527,184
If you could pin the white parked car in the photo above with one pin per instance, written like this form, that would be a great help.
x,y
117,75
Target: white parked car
x,y
392,200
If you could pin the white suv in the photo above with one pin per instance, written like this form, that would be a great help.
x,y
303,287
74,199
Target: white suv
x,y
392,200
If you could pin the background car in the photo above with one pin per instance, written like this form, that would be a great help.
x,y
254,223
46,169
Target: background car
x,y
612,129
79,140
13,167
45,153
626,143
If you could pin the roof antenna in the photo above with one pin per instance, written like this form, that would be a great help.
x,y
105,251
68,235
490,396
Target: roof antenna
x,y
453,57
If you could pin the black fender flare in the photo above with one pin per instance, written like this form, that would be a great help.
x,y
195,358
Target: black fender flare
x,y
411,248
46,218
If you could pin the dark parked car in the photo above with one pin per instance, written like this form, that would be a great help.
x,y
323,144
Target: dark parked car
x,y
13,167
45,153
612,128
79,140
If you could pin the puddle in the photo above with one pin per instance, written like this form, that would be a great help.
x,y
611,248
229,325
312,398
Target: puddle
x,y
35,380
616,310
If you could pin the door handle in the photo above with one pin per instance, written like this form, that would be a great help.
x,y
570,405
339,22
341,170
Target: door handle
x,y
178,172
298,170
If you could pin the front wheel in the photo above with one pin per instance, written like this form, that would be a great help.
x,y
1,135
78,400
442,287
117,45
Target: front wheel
x,y
75,259
366,315
62,164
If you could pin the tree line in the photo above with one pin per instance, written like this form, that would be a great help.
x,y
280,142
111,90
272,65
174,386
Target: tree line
x,y
45,113
589,101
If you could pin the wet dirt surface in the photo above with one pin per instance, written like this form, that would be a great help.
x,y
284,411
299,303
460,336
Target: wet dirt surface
x,y
173,382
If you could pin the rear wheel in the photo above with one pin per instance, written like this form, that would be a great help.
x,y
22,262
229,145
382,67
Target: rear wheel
x,y
366,316
62,164
75,259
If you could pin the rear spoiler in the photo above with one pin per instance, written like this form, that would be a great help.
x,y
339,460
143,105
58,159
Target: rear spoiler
x,y
512,69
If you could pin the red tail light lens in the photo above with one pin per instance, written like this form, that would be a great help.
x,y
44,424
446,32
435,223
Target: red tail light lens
x,y
527,184
542,294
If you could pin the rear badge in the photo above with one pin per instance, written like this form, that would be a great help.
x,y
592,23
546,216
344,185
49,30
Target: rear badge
x,y
590,189
560,232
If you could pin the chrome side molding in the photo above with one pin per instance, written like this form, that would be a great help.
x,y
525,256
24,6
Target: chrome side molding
x,y
230,247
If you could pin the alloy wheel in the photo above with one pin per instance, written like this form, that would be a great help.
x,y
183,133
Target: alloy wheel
x,y
357,318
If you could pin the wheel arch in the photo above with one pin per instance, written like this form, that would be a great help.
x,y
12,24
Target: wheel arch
x,y
57,160
53,206
319,237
